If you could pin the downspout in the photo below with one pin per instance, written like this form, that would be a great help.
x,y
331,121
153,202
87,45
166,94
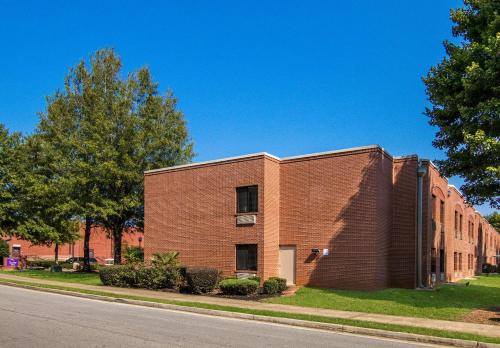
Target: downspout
x,y
421,171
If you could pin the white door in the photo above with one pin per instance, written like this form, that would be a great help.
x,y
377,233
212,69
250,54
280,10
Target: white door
x,y
287,264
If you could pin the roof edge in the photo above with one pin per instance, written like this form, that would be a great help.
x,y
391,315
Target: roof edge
x,y
333,152
226,159
265,154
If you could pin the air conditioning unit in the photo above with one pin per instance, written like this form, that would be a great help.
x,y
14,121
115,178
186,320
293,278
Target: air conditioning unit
x,y
246,219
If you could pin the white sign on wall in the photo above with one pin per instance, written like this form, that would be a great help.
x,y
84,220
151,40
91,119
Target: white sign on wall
x,y
326,252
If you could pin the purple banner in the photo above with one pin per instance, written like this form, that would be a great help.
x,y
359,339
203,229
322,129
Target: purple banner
x,y
12,262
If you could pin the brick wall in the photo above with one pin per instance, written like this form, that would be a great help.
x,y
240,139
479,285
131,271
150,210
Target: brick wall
x,y
330,202
359,204
193,212
99,243
271,237
403,237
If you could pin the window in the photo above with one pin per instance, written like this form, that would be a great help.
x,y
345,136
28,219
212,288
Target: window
x,y
246,257
456,224
433,207
433,260
460,261
461,226
455,261
246,199
441,213
441,260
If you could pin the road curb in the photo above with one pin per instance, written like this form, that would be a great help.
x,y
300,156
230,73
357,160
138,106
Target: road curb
x,y
403,336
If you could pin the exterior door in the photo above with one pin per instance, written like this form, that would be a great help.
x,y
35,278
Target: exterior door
x,y
287,264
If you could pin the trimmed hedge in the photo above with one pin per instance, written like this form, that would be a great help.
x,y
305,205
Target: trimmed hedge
x,y
121,276
139,276
202,279
274,285
238,286
40,263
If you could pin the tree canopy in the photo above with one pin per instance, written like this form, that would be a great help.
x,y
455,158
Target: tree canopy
x,y
103,131
494,220
464,90
9,209
33,206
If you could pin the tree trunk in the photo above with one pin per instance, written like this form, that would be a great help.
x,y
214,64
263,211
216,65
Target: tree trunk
x,y
117,244
86,245
56,254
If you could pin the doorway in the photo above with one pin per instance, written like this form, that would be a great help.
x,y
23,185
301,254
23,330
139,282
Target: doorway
x,y
287,263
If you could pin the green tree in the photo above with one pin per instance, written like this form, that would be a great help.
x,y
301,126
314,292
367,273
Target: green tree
x,y
494,220
147,132
103,131
8,158
75,131
34,206
4,248
44,215
464,90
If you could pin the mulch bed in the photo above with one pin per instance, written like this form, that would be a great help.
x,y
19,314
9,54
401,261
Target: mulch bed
x,y
490,316
252,297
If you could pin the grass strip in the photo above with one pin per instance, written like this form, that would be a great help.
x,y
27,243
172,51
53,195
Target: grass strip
x,y
314,318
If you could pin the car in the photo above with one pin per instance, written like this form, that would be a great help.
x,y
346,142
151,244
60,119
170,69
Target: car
x,y
80,260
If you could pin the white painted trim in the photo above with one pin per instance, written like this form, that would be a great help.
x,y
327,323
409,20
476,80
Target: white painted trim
x,y
210,162
336,152
316,154
456,189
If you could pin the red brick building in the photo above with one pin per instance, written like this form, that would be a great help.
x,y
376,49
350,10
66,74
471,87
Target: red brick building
x,y
343,219
101,247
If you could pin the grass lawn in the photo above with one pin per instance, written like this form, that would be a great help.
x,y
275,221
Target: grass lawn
x,y
69,277
449,302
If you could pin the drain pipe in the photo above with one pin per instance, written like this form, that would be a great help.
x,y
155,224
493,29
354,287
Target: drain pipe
x,y
421,171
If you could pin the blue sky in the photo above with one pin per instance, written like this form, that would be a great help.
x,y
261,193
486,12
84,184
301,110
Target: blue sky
x,y
287,78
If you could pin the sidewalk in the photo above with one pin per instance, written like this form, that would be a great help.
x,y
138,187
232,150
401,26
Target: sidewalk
x,y
478,329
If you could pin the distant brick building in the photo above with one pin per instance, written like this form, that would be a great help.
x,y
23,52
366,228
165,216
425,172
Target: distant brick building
x,y
101,246
346,219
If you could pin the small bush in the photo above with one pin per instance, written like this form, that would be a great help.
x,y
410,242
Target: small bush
x,y
140,276
202,279
255,278
274,285
115,276
168,259
39,263
238,286
133,254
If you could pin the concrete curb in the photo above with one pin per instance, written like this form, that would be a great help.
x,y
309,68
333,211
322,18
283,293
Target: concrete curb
x,y
452,342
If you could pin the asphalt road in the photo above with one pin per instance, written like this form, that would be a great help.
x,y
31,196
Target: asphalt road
x,y
37,319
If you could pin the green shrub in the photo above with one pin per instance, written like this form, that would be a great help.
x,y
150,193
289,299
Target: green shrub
x,y
274,285
133,254
4,248
39,263
157,277
140,276
255,278
168,259
121,276
202,279
238,286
